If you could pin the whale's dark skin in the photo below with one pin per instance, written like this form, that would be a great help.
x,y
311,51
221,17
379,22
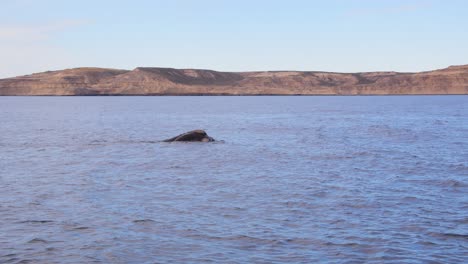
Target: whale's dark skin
x,y
191,136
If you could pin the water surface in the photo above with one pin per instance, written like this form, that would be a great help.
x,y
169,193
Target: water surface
x,y
296,180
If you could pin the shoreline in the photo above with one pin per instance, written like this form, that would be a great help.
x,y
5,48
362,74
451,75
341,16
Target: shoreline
x,y
229,95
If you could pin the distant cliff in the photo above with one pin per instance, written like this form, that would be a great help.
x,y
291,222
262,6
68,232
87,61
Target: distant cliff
x,y
166,81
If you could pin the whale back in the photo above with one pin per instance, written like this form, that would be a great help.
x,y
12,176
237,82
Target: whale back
x,y
194,135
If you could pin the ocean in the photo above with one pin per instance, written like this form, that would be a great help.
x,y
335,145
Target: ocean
x,y
290,179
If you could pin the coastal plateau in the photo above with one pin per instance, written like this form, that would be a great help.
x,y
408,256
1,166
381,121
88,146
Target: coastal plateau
x,y
168,81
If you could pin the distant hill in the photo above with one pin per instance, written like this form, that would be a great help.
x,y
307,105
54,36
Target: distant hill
x,y
167,81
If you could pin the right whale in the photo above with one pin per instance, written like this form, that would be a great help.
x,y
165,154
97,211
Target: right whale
x,y
191,136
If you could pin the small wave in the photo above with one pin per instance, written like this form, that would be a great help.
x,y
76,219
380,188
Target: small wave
x,y
142,221
426,243
81,228
36,222
409,199
26,261
455,235
38,240
351,244
177,167
244,239
450,235
247,239
97,142
106,143
459,167
452,183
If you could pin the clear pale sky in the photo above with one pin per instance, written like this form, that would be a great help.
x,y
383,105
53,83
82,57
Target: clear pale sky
x,y
235,35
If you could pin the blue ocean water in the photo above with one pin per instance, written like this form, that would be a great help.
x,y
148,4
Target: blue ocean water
x,y
374,179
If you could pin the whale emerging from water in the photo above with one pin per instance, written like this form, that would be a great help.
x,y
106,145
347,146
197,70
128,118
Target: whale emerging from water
x,y
191,136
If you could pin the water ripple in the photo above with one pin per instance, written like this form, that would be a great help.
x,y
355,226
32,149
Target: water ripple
x,y
295,180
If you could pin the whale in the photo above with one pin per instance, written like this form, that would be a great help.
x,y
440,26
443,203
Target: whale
x,y
197,135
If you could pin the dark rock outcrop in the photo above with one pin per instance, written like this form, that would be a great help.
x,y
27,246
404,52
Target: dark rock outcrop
x,y
191,136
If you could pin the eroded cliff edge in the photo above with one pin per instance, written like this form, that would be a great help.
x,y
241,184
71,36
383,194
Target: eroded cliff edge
x,y
167,81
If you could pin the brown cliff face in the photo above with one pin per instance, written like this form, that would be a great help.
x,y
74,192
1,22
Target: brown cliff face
x,y
166,81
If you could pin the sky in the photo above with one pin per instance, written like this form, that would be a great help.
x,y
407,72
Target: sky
x,y
236,35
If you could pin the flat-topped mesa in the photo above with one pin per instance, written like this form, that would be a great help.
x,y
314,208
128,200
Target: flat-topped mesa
x,y
191,136
169,81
